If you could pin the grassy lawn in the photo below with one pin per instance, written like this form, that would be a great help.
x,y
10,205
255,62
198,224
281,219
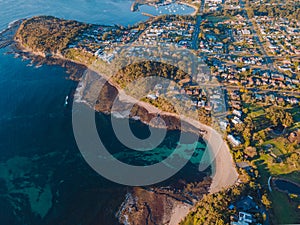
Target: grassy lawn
x,y
263,171
256,110
275,142
280,145
276,168
216,19
258,114
284,210
294,176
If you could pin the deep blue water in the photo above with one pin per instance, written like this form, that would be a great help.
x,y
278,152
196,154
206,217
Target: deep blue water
x,y
43,178
291,188
30,99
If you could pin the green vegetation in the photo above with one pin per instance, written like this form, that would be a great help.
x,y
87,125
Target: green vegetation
x,y
265,124
277,156
161,103
47,34
279,117
284,209
265,133
80,56
134,71
145,69
214,208
204,116
216,19
278,8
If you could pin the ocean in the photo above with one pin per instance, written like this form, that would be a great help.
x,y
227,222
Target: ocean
x,y
107,12
43,177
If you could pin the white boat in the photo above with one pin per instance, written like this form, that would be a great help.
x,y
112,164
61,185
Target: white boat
x,y
66,100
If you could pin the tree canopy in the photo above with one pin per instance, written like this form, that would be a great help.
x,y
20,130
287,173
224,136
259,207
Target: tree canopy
x,y
47,34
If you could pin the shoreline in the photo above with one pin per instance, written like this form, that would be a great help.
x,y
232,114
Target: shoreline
x,y
196,8
136,6
218,148
224,172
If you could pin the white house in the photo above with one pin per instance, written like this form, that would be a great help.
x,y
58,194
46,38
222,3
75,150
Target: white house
x,y
245,217
237,113
235,142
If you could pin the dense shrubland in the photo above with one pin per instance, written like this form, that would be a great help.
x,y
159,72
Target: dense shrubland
x,y
47,34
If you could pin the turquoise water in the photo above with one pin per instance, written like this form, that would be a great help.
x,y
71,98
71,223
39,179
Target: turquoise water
x,y
43,177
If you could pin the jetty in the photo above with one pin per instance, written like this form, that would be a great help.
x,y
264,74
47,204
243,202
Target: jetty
x,y
147,14
134,7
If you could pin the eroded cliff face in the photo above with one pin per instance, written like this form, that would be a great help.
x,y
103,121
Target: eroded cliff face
x,y
146,207
159,205
154,205
109,102
108,97
151,205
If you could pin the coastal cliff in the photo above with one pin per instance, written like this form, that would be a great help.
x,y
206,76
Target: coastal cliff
x,y
44,48
47,35
161,205
40,38
44,39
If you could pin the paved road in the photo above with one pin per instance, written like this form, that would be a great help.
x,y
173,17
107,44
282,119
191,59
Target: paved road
x,y
197,26
255,90
256,38
196,33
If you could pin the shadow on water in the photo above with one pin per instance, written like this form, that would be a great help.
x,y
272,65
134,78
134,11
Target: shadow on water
x,y
54,185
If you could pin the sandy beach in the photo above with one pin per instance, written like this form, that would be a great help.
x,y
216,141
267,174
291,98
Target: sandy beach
x,y
224,170
179,213
196,8
224,173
